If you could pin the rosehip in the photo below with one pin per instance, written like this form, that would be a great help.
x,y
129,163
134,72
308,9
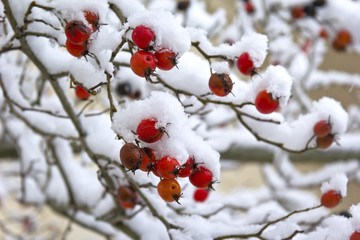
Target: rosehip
x,y
201,177
323,33
220,84
265,103
93,19
342,40
297,12
76,50
249,7
148,158
77,32
142,37
81,93
187,169
165,59
126,196
325,142
169,190
355,236
330,199
143,63
167,167
147,131
201,194
245,64
322,128
130,156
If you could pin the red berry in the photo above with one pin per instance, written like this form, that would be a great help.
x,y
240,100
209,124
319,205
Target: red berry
x,y
322,128
143,63
201,194
81,93
127,196
93,19
167,167
342,40
142,37
169,190
220,84
249,7
245,64
148,158
297,12
330,199
147,131
265,103
201,177
76,50
325,142
323,33
130,156
165,59
77,32
187,169
355,236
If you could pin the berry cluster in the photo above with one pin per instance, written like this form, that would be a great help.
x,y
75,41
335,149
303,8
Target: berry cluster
x,y
166,168
144,62
322,131
78,34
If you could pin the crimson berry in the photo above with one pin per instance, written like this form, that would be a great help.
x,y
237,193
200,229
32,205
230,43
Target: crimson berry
x,y
93,19
130,156
187,169
249,7
323,33
322,128
297,12
245,64
201,177
142,37
342,40
355,236
220,84
148,158
167,167
81,93
76,50
147,131
330,199
165,59
169,190
77,32
201,194
265,103
325,142
143,63
126,196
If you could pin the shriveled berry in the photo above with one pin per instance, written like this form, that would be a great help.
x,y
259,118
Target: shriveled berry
x,y
322,128
81,93
93,19
167,167
165,59
201,177
183,5
127,196
169,190
319,3
76,50
143,63
148,132
201,194
325,142
245,64
187,168
220,84
130,156
77,32
355,236
330,199
342,40
310,10
265,103
148,158
143,36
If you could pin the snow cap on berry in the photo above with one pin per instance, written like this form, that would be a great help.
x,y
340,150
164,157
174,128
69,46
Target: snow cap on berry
x,y
355,213
220,67
168,32
329,109
275,80
256,45
338,183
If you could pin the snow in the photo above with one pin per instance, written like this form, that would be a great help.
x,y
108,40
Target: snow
x,y
355,219
338,182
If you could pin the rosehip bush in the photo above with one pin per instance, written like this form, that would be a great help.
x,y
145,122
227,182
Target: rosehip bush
x,y
173,95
